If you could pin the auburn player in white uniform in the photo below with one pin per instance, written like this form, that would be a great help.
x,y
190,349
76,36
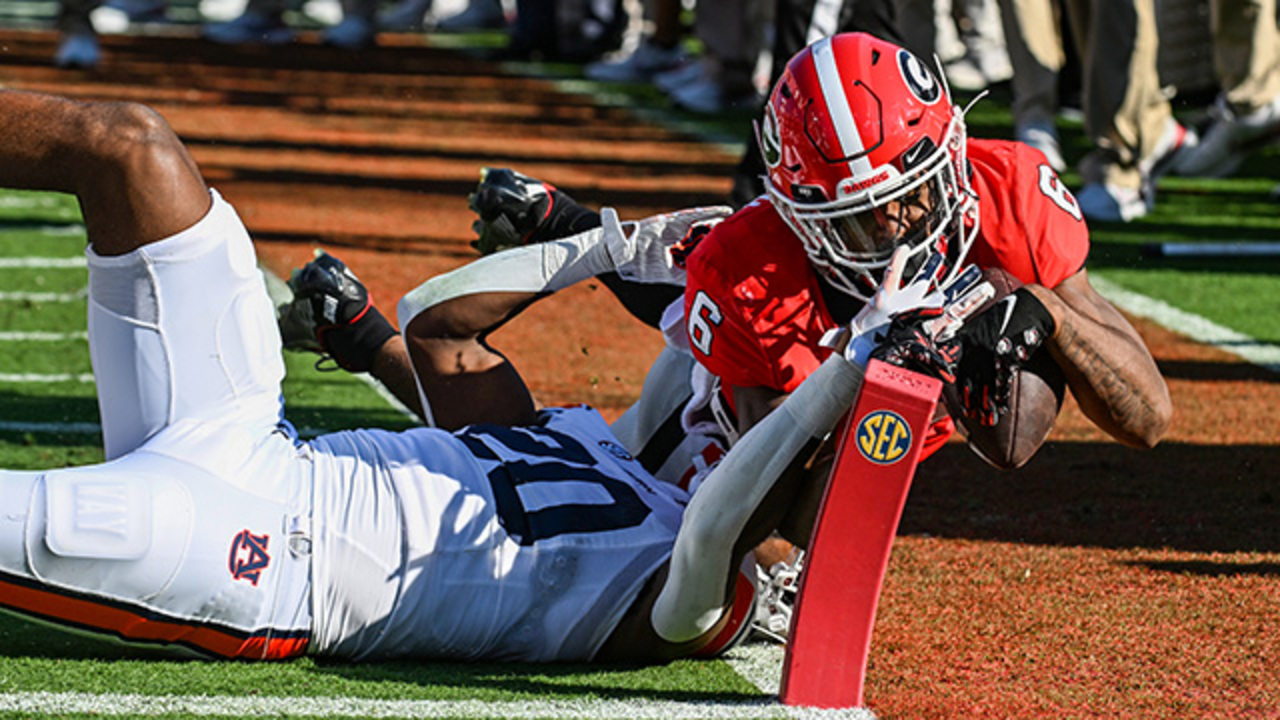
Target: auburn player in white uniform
x,y
524,535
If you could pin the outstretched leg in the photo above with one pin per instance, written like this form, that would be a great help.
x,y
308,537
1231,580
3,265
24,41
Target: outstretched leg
x,y
135,181
180,325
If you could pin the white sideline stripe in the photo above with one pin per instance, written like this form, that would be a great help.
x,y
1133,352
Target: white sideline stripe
x,y
111,704
43,262
1191,325
42,336
759,663
42,296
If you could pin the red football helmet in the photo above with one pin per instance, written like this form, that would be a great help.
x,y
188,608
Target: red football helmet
x,y
866,152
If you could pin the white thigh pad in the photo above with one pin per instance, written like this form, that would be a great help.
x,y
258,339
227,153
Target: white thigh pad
x,y
108,531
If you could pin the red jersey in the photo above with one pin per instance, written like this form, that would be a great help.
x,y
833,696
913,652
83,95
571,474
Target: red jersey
x,y
755,313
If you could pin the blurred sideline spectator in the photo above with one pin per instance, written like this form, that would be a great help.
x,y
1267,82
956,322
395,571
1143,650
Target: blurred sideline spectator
x,y
797,24
1033,39
262,23
721,78
1246,114
658,50
79,46
1126,113
478,15
562,30
967,36
732,33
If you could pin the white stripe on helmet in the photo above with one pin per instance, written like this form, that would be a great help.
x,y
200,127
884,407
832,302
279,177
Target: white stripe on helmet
x,y
824,61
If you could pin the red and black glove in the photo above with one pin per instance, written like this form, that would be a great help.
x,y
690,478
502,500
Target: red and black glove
x,y
993,345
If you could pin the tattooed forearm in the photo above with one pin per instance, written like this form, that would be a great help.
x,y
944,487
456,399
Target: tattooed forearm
x,y
1109,369
1115,389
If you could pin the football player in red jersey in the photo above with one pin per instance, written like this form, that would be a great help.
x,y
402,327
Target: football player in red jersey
x,y
866,153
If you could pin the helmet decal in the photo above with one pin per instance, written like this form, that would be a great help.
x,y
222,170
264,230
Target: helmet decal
x,y
837,107
918,78
770,143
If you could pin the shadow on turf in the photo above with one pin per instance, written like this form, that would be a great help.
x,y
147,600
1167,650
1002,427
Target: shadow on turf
x,y
23,638
1207,568
544,681
21,407
1107,254
1196,498
1218,371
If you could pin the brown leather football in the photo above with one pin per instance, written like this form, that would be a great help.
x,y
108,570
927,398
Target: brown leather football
x,y
1035,400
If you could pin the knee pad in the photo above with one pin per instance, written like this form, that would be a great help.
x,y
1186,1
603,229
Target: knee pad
x,y
107,532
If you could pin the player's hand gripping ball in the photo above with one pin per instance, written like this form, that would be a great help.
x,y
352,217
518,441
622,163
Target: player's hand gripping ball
x,y
1008,389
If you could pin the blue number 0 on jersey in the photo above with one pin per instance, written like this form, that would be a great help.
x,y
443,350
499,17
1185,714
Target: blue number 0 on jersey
x,y
554,459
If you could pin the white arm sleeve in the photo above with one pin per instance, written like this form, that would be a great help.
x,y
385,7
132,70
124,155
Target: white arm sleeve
x,y
692,599
637,251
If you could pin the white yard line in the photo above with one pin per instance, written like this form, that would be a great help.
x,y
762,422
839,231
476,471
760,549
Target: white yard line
x,y
38,378
37,336
1193,326
42,262
43,297
111,704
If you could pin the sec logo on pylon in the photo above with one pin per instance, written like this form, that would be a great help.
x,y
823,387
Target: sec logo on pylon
x,y
883,437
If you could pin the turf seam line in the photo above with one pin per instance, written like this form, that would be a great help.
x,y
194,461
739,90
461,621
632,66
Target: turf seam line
x,y
83,428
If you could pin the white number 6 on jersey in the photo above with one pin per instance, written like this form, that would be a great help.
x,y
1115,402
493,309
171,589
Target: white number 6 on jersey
x,y
1052,187
703,317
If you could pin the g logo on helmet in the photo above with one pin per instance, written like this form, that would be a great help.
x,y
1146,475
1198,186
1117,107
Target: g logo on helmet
x,y
770,141
883,437
918,78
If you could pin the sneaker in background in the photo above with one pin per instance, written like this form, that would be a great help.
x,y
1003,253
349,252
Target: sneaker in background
x,y
78,50
648,60
353,33
1043,137
479,15
251,28
1229,138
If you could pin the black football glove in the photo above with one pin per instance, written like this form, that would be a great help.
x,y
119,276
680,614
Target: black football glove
x,y
514,209
331,313
993,345
908,343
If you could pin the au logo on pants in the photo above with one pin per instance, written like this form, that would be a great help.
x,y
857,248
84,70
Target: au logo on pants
x,y
249,556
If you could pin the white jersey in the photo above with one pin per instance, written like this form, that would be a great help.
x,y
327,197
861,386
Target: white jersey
x,y
492,543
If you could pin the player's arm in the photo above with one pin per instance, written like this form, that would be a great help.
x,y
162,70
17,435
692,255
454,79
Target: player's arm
x,y
462,379
514,210
448,318
1108,367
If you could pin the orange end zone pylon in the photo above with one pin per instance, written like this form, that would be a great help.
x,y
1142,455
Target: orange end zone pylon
x,y
830,637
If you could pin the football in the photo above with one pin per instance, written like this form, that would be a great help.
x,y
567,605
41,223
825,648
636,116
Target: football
x,y
1035,399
